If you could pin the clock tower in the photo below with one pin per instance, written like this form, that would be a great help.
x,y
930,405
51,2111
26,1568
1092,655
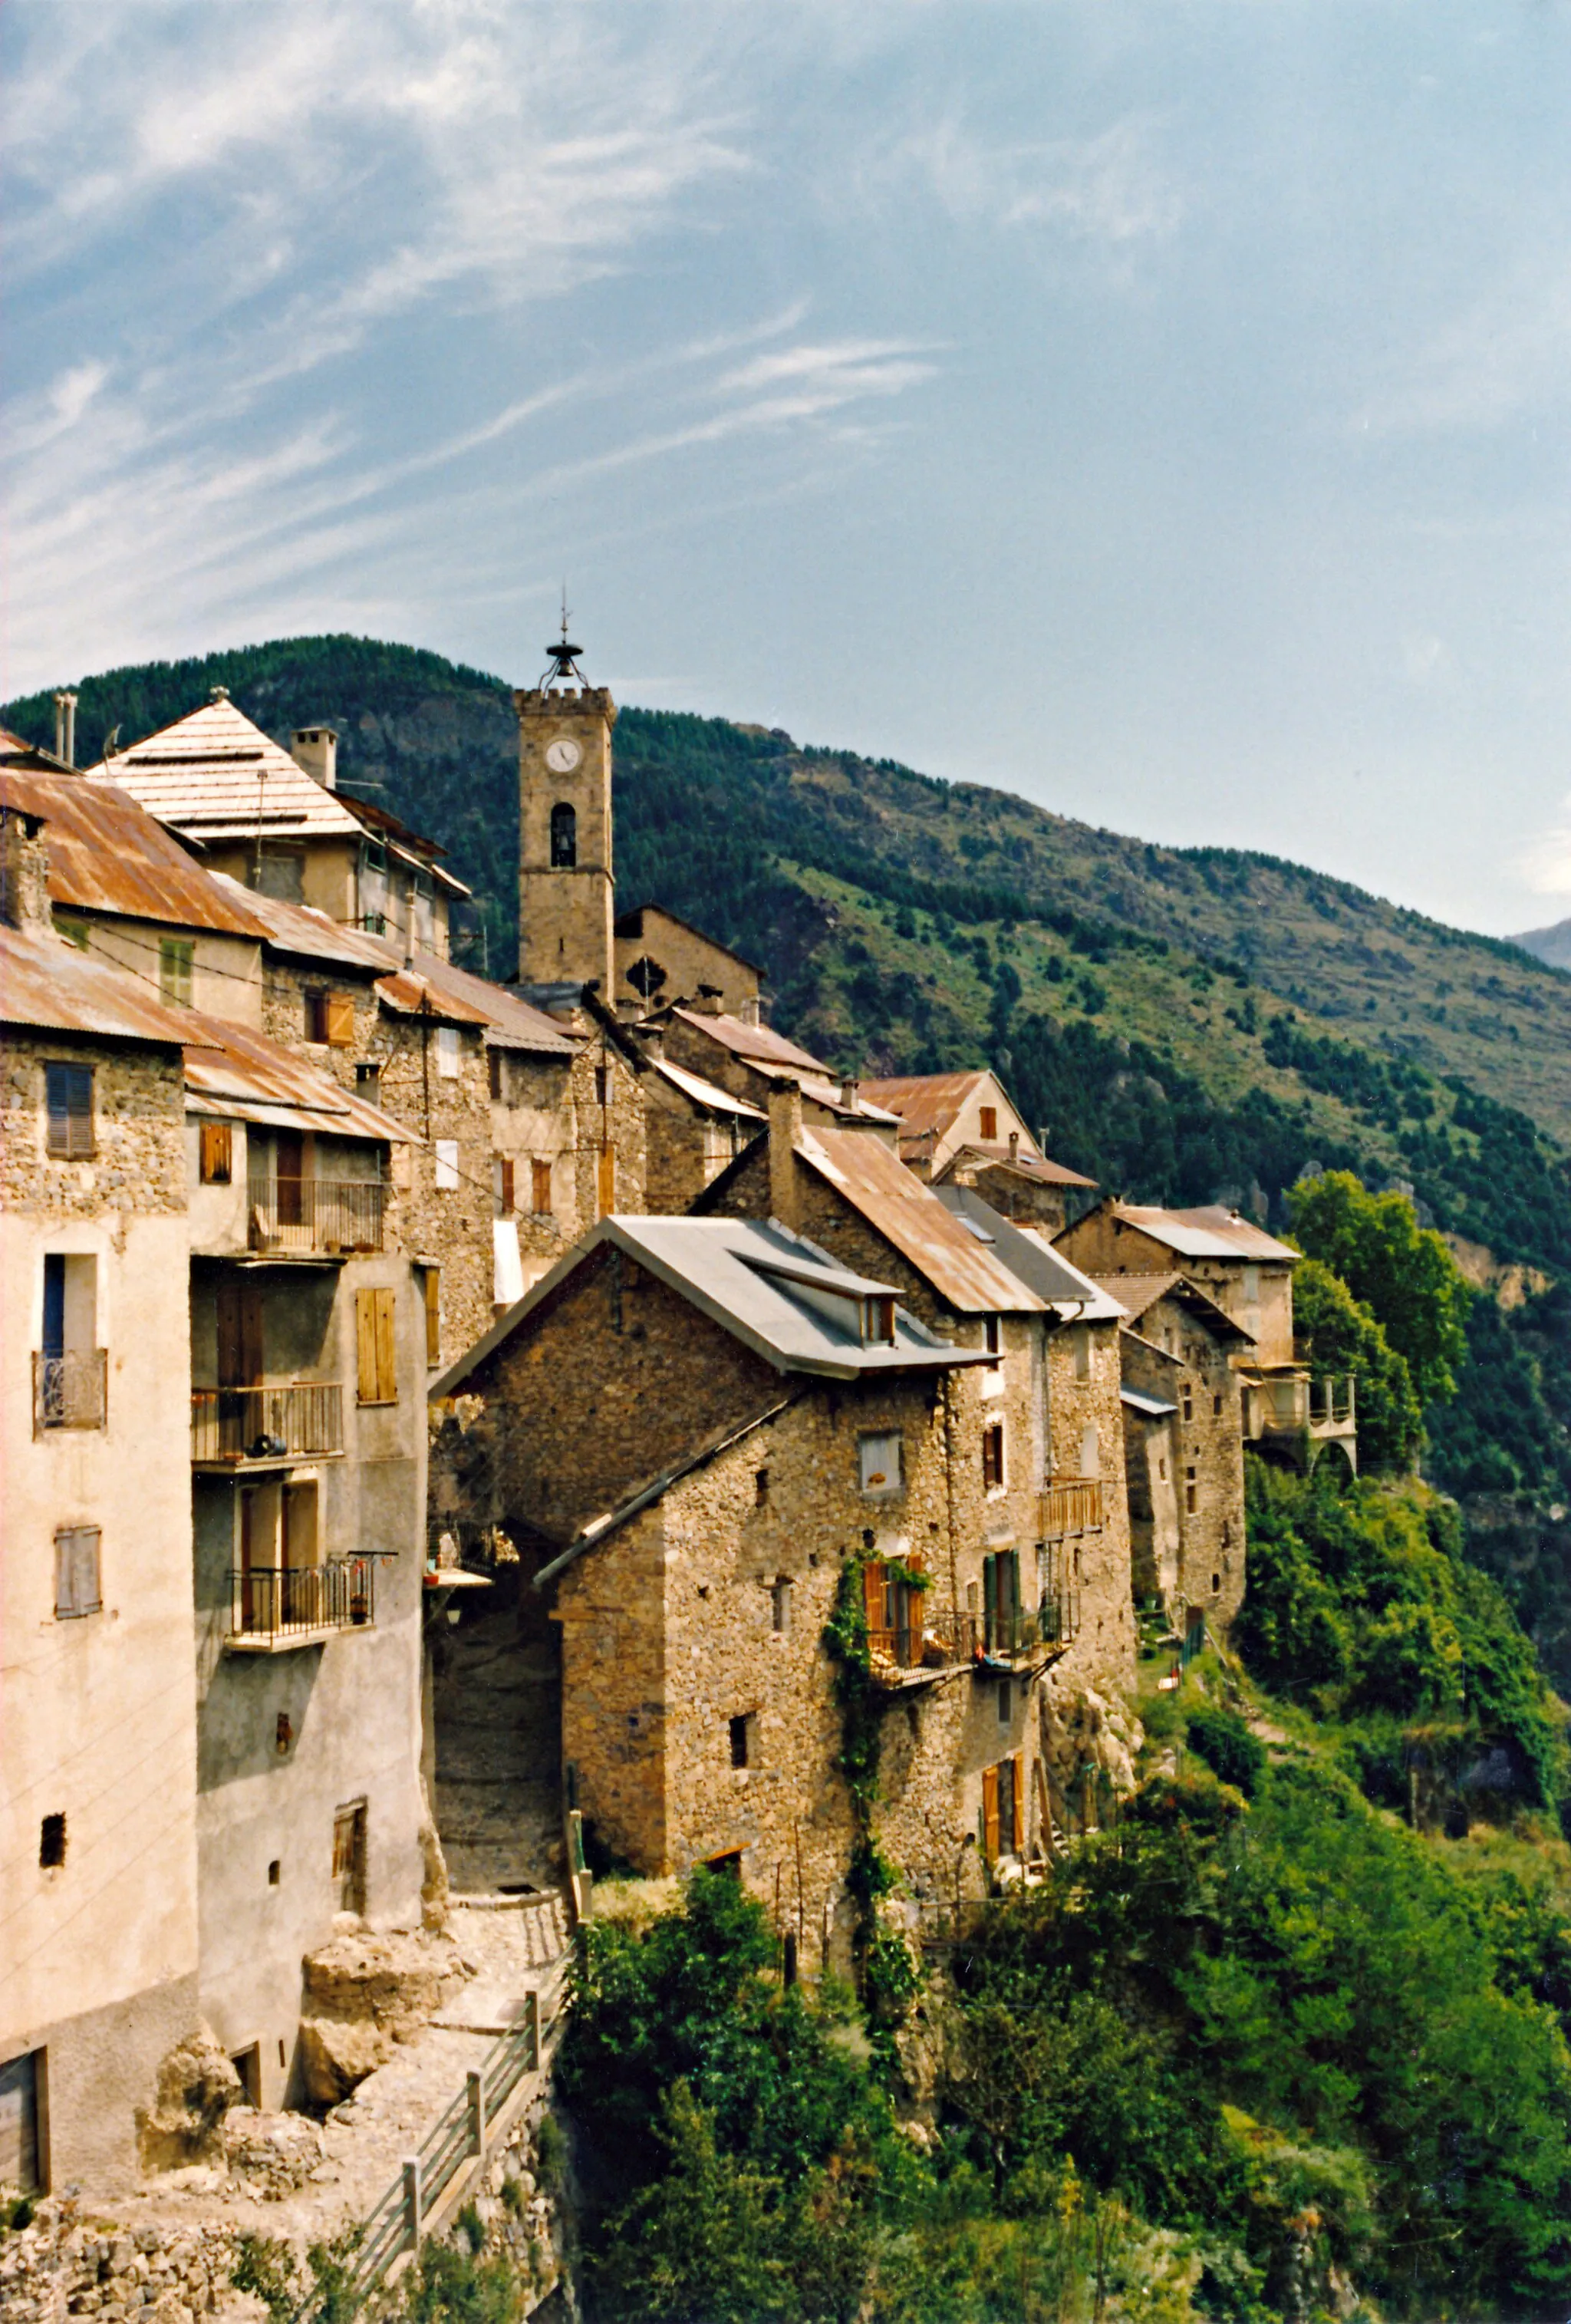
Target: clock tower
x,y
565,885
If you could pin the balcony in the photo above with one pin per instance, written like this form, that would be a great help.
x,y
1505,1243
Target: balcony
x,y
1298,1405
276,1608
235,1427
1071,1505
71,1390
314,1218
941,1639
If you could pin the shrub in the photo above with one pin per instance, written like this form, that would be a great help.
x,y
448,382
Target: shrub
x,y
1228,1747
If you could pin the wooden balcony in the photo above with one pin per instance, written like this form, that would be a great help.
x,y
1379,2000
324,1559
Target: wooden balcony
x,y
241,1427
1071,1505
315,1218
71,1390
277,1608
941,1639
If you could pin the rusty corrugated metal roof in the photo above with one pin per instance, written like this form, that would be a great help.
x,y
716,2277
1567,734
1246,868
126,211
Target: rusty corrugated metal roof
x,y
1029,1166
108,855
1138,1294
414,994
759,1044
927,1103
237,1067
963,1271
1210,1232
47,982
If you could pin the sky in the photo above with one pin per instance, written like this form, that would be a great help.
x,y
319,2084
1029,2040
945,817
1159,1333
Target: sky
x,y
1161,410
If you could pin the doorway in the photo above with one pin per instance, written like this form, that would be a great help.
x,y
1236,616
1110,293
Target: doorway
x,y
349,1857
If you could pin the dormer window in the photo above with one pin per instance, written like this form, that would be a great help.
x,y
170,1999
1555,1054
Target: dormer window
x,y
878,1320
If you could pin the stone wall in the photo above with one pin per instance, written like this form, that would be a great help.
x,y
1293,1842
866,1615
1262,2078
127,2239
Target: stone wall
x,y
138,1123
1175,1358
1083,1384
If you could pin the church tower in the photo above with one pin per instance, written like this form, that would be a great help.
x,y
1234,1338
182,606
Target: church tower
x,y
565,885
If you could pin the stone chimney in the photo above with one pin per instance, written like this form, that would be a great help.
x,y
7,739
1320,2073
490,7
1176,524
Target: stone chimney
x,y
707,1001
315,749
784,1131
1014,1146
748,1010
65,728
24,903
851,1093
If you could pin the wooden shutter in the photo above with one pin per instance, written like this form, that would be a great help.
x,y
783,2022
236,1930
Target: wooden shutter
x,y
874,1593
990,1813
240,1333
365,1344
76,1570
434,1313
540,1195
504,1184
338,1029
218,1143
301,1526
387,1365
988,1120
606,1180
68,1090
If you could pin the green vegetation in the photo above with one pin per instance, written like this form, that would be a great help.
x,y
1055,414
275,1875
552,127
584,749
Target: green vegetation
x,y
1344,1340
1396,1269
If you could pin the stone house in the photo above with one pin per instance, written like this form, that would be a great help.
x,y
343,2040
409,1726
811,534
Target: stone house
x,y
750,1060
1183,1447
98,1914
700,1427
966,1124
660,959
1284,1414
277,823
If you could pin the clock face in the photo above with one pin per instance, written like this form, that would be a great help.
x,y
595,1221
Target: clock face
x,y
562,755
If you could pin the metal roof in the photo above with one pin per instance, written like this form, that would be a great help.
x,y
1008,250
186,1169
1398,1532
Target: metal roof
x,y
231,1070
47,982
1138,1294
1149,1408
759,1044
750,1279
1035,1165
927,1102
108,855
706,1093
1030,1257
1211,1232
411,994
303,932
214,774
966,1274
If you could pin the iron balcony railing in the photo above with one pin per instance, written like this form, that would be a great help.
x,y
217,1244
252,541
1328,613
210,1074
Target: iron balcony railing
x,y
283,1601
1071,1505
267,1424
332,1216
943,1638
71,1391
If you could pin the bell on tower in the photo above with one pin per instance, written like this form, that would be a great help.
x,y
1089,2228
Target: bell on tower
x,y
565,883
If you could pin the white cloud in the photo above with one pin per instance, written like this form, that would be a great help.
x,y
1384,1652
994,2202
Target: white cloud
x,y
1507,353
1545,867
1113,189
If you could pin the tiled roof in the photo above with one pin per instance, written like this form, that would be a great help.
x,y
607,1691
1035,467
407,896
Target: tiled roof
x,y
108,855
965,1273
47,982
216,775
1138,1294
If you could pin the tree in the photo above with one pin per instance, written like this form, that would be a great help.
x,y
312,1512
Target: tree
x,y
1344,1338
1400,1271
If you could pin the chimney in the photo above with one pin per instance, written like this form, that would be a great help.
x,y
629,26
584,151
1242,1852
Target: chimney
x,y
784,1129
748,1010
707,1003
1014,1146
653,1037
65,728
315,749
851,1093
24,900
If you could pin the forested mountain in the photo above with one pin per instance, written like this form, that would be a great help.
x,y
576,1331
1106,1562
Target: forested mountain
x,y
1185,1025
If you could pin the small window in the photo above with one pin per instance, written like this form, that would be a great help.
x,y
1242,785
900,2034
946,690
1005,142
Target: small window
x,y
349,1857
447,1166
433,1315
540,1189
175,957
993,1457
987,1123
1162,1470
218,1153
878,1320
880,1462
761,1486
447,1052
993,1335
1215,1585
493,1075
1189,1397
780,1607
376,1346
1216,1406
738,1740
501,1176
1191,1492
76,1571
275,1872
601,1086
68,1090
51,1842
368,1081
564,837
330,1020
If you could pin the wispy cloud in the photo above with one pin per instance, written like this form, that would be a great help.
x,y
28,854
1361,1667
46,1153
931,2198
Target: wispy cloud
x,y
1114,189
1507,353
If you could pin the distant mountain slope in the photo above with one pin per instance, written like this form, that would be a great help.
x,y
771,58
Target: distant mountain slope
x,y
1552,945
1187,1023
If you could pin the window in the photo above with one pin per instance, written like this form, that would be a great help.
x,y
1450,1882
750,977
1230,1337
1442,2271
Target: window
x,y
51,1842
780,1607
433,1315
447,1052
1215,1585
349,1857
1001,1597
1189,1397
493,1075
376,1347
761,1486
368,1082
330,1020
993,1456
69,1092
993,1335
1080,1352
738,1740
540,1189
70,1372
878,1320
1000,1810
987,1123
601,1086
1191,1492
564,837
447,1166
176,956
501,1176
76,1571
880,1463
1216,1406
216,1164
